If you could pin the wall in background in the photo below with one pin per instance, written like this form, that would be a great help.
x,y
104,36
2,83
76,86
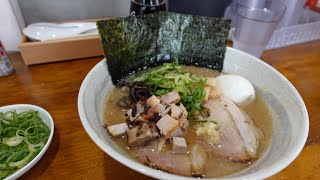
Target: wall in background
x,y
62,10
10,32
15,14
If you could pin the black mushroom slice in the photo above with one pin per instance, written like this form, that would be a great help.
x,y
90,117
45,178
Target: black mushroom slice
x,y
138,91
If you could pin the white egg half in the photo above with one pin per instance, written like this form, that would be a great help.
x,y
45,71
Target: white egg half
x,y
236,88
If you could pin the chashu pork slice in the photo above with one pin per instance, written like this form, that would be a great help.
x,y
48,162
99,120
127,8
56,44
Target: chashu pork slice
x,y
247,130
239,139
141,134
166,161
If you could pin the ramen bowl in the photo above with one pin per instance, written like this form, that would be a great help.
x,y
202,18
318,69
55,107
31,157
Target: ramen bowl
x,y
289,115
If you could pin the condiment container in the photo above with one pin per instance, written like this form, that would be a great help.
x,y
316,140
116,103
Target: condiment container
x,y
5,65
139,7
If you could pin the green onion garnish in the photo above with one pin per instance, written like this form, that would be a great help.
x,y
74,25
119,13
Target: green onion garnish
x,y
169,77
22,136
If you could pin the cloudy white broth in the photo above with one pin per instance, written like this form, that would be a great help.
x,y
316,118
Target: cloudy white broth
x,y
217,164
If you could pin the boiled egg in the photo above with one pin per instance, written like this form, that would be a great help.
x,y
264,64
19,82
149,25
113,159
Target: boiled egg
x,y
237,88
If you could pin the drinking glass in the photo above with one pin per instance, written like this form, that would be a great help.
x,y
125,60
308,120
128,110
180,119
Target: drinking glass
x,y
139,7
255,25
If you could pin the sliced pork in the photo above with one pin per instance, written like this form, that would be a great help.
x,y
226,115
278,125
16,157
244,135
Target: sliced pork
x,y
244,125
118,129
167,125
176,112
153,112
141,134
239,139
191,164
135,111
179,145
171,97
183,121
152,109
166,161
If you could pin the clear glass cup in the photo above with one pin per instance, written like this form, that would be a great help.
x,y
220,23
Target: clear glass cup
x,y
139,7
254,26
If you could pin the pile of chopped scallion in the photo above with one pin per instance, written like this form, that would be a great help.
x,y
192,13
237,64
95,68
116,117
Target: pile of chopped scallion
x,y
22,136
169,77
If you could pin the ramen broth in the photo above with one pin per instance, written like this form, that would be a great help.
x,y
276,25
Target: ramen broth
x,y
217,166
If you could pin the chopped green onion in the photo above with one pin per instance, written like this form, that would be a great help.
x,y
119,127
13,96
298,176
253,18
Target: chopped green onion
x,y
13,141
22,136
169,77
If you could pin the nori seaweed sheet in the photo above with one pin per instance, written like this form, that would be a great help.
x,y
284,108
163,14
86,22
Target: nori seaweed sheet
x,y
135,43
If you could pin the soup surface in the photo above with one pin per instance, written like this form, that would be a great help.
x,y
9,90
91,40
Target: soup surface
x,y
217,166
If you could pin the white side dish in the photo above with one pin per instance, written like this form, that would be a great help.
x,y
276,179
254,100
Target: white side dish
x,y
46,118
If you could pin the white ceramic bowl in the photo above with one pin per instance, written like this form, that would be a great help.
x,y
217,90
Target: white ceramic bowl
x,y
46,118
290,117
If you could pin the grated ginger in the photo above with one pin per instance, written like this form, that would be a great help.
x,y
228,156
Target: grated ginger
x,y
208,132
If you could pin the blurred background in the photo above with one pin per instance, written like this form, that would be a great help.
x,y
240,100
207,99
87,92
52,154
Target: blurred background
x,y
15,15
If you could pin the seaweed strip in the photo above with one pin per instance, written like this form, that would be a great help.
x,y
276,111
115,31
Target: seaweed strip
x,y
135,43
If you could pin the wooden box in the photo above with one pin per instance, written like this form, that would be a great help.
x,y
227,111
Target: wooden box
x,y
60,49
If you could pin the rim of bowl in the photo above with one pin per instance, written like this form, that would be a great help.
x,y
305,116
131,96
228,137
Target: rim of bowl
x,y
35,160
271,170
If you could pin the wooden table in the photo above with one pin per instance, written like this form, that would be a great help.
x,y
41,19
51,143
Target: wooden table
x,y
72,154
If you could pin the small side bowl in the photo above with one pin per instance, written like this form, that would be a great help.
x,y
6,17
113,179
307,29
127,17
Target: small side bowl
x,y
46,118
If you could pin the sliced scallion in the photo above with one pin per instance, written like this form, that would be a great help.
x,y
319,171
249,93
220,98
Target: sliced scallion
x,y
22,136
